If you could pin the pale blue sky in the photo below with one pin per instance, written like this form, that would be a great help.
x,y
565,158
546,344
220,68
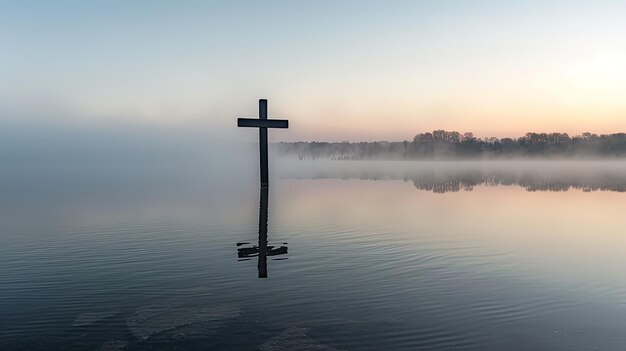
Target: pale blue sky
x,y
338,69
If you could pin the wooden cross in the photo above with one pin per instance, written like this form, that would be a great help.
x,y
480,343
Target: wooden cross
x,y
263,123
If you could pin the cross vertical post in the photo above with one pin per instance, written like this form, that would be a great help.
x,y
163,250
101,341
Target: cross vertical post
x,y
263,144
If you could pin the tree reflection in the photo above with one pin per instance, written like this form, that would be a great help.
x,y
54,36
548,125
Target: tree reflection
x,y
467,182
451,178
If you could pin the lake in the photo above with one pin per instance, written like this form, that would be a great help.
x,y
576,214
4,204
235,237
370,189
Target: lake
x,y
359,256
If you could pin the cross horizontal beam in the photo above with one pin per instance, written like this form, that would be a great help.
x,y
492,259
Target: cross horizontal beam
x,y
262,123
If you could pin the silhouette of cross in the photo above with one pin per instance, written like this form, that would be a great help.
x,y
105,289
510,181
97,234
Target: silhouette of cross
x,y
263,123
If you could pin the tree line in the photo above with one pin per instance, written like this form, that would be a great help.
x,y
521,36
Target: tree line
x,y
451,144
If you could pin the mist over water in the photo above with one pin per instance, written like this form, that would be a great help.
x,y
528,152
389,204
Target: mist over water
x,y
73,171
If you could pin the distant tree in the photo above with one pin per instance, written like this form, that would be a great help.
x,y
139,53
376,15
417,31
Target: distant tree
x,y
452,144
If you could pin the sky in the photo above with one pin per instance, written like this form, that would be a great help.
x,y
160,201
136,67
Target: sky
x,y
338,70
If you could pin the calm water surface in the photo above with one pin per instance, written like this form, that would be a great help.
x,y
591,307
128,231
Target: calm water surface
x,y
366,256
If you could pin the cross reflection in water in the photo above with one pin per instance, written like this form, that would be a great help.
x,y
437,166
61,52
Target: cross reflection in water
x,y
262,249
